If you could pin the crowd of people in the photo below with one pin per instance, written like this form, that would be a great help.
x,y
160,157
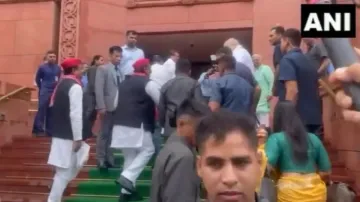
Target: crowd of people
x,y
216,129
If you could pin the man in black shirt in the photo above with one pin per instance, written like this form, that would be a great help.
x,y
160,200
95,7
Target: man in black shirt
x,y
274,39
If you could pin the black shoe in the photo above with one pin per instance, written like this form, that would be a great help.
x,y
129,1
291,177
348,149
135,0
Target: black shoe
x,y
110,164
130,197
102,165
126,184
124,198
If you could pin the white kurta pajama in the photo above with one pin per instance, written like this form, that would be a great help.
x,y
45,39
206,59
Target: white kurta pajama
x,y
62,156
137,147
136,143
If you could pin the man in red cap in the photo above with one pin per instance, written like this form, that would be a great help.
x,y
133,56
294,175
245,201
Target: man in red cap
x,y
67,128
134,123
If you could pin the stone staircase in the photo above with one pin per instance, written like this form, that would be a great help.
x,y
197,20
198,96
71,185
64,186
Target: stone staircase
x,y
25,176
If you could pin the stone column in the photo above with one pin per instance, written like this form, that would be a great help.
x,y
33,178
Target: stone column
x,y
69,29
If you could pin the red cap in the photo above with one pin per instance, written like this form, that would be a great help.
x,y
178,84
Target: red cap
x,y
141,63
70,62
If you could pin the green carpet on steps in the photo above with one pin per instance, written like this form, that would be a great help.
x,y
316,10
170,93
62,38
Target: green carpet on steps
x,y
101,185
96,199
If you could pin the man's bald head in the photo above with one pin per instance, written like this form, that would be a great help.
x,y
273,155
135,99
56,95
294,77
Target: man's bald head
x,y
231,43
257,59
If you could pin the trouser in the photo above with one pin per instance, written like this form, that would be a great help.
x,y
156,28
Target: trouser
x,y
264,119
90,116
135,159
157,139
103,142
42,118
61,179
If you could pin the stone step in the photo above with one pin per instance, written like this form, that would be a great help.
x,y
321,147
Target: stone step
x,y
93,198
31,185
34,158
14,196
110,188
45,171
38,147
41,140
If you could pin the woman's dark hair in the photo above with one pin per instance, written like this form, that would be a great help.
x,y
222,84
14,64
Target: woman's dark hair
x,y
95,58
287,120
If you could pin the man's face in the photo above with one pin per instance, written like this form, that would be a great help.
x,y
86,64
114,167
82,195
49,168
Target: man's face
x,y
78,72
51,58
273,37
176,57
115,57
230,169
257,61
132,39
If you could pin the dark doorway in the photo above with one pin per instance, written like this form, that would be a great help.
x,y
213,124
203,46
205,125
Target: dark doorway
x,y
195,46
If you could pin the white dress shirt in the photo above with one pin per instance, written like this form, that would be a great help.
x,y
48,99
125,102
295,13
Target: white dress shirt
x,y
170,66
129,57
243,56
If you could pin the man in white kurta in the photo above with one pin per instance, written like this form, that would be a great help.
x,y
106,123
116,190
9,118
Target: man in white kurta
x,y
170,64
68,151
134,123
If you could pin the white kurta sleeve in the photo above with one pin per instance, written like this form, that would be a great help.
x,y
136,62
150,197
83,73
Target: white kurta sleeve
x,y
76,111
153,91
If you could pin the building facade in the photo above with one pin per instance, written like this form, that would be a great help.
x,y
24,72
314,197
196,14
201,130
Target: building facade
x,y
83,28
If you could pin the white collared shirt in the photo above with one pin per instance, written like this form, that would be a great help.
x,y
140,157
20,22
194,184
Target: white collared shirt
x,y
170,67
129,57
243,56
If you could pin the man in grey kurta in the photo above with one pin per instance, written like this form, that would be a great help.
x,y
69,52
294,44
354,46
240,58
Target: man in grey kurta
x,y
174,177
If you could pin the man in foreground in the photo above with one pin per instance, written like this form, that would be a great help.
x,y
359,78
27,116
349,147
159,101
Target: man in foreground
x,y
174,177
228,161
67,122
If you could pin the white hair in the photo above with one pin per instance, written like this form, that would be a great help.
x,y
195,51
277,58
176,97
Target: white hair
x,y
257,56
231,43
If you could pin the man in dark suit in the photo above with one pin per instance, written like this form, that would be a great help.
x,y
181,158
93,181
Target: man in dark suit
x,y
90,102
174,177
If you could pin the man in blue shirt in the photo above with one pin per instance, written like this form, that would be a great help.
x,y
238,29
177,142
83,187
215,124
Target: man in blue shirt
x,y
298,79
46,79
240,69
130,54
231,91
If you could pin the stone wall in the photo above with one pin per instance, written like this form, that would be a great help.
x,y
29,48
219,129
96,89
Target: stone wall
x,y
27,32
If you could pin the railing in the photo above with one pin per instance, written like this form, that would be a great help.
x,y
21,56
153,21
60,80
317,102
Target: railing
x,y
14,116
